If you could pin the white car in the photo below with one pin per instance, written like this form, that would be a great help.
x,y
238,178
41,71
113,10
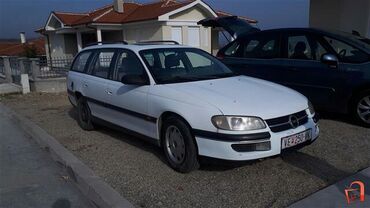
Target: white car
x,y
188,102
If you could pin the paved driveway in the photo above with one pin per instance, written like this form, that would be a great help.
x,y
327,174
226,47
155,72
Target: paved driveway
x,y
28,176
139,172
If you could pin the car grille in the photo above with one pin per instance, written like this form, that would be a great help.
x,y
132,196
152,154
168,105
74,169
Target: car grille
x,y
283,123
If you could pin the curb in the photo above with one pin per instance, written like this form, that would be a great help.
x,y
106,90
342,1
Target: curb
x,y
93,187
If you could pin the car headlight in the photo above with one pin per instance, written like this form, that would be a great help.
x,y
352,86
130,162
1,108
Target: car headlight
x,y
311,108
238,123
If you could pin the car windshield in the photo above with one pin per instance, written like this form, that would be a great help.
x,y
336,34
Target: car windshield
x,y
174,65
362,41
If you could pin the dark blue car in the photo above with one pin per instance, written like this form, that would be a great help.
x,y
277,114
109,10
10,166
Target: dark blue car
x,y
331,68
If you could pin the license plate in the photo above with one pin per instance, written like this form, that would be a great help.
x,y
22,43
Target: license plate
x,y
295,139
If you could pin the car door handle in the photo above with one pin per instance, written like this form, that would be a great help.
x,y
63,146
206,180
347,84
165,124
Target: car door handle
x,y
109,92
85,84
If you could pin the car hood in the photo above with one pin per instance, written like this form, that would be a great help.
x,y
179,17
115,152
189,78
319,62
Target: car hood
x,y
245,96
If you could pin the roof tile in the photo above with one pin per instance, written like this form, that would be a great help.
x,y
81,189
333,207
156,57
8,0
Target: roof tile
x,y
133,12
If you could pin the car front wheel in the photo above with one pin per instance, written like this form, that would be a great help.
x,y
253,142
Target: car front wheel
x,y
361,108
179,145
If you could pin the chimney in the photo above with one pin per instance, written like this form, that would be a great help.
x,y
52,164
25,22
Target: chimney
x,y
118,6
23,37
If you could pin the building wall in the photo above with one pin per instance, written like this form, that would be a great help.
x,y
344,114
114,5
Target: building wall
x,y
195,13
186,19
344,15
112,35
57,48
142,32
61,45
70,44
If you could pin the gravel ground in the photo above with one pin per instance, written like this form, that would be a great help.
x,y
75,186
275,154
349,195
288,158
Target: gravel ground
x,y
139,172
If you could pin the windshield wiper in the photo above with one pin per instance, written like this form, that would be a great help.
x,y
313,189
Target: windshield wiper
x,y
197,78
182,79
217,76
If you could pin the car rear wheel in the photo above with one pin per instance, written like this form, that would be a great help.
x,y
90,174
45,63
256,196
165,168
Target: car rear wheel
x,y
361,108
179,145
84,115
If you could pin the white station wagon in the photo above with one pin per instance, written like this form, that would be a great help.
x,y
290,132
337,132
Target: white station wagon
x,y
189,103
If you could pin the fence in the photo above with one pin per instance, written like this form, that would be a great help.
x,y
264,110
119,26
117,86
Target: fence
x,y
36,68
2,68
15,70
57,67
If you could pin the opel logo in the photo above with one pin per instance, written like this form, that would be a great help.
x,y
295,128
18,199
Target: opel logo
x,y
293,121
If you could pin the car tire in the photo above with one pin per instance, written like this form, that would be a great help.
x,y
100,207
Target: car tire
x,y
361,108
179,145
84,115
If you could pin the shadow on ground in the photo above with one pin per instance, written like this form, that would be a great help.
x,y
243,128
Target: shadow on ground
x,y
122,136
314,166
208,164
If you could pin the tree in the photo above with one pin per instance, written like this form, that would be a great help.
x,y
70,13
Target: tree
x,y
29,51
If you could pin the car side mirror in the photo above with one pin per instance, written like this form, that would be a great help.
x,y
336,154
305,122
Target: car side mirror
x,y
132,79
330,59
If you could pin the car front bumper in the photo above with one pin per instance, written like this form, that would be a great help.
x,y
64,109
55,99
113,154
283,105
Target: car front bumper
x,y
216,147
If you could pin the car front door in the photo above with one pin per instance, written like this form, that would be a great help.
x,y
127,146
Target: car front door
x,y
129,102
305,72
354,63
256,55
95,83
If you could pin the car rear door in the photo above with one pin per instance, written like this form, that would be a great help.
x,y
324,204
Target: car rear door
x,y
256,55
304,70
95,83
129,103
77,74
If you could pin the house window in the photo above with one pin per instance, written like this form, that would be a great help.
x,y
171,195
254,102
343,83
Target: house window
x,y
176,33
194,36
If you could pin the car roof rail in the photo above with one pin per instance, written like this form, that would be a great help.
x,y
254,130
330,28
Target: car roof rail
x,y
106,42
154,42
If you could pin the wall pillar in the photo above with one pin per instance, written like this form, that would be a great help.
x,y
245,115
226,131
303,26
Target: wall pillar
x,y
98,35
79,41
7,70
35,68
22,68
25,83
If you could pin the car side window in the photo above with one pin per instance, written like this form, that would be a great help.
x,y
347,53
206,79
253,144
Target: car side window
x,y
81,61
303,47
261,47
232,50
346,52
102,65
129,64
299,48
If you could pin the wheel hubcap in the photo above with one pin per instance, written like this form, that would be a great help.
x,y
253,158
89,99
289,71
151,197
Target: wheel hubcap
x,y
363,109
175,145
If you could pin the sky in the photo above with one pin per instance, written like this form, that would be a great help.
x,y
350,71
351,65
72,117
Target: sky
x,y
28,15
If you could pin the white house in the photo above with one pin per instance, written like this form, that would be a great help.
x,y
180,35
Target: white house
x,y
344,15
67,33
